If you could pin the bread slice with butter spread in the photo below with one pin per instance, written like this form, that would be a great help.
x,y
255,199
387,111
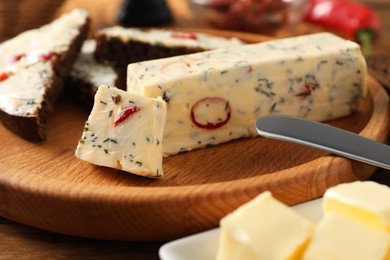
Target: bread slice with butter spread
x,y
32,66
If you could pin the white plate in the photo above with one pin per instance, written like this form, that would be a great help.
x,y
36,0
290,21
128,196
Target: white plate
x,y
204,245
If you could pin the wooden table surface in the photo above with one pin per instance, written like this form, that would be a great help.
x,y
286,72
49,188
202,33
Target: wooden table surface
x,y
18,241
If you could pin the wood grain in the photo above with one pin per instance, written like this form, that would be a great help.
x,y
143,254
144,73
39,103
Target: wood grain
x,y
45,186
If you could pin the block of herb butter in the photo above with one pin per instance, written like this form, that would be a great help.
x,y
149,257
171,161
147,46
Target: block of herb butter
x,y
364,201
263,228
339,237
124,131
216,96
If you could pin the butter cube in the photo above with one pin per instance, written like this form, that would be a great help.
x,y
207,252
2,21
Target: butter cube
x,y
338,237
367,202
263,228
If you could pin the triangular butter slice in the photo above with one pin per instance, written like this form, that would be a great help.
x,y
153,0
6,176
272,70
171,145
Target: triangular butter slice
x,y
124,131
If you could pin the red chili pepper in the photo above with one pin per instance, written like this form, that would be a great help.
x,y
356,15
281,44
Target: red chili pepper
x,y
3,76
185,36
307,92
174,67
357,21
14,58
210,125
47,56
124,114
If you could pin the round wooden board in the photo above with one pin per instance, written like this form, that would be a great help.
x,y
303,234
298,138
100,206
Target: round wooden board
x,y
45,186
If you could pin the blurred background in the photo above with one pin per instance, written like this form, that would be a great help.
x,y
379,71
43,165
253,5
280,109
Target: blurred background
x,y
279,18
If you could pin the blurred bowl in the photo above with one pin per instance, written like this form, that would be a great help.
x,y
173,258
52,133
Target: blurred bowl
x,y
248,15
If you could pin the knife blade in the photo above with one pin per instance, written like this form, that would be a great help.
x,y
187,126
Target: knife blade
x,y
325,137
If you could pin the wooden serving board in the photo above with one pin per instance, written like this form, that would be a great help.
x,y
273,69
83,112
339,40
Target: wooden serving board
x,y
45,186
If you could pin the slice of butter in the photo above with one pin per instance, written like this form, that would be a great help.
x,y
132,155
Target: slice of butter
x,y
263,228
216,96
124,131
338,237
367,202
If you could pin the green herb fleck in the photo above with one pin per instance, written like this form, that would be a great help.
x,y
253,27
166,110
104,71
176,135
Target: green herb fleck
x,y
183,149
227,106
322,62
139,163
165,96
112,140
272,108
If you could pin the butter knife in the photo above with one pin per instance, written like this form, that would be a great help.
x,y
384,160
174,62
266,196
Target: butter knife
x,y
325,137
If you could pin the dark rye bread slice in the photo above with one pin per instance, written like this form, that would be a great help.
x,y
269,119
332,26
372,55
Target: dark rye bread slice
x,y
32,67
379,67
120,46
87,75
104,61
